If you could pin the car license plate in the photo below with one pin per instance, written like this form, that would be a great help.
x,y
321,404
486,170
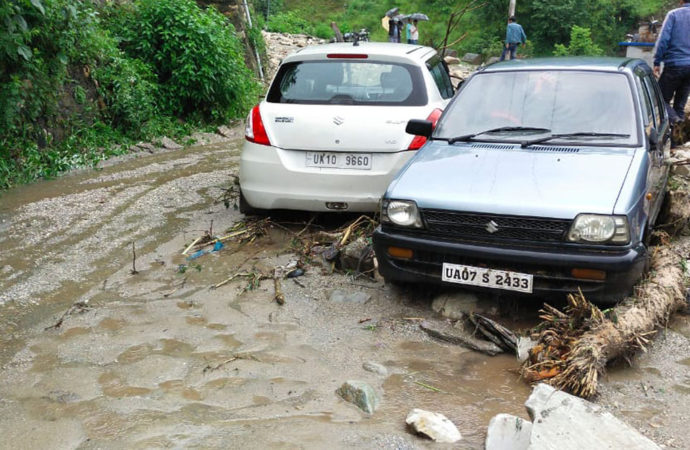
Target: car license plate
x,y
491,278
334,160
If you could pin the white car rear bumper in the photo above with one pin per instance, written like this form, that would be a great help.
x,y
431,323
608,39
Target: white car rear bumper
x,y
273,178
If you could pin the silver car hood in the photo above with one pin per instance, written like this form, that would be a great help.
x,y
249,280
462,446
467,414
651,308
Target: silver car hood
x,y
555,182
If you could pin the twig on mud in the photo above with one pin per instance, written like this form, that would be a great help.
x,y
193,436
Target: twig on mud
x,y
78,307
306,227
431,388
209,368
279,297
134,260
177,288
191,245
227,280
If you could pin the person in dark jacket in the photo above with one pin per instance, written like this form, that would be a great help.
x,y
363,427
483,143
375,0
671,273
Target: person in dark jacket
x,y
673,50
394,30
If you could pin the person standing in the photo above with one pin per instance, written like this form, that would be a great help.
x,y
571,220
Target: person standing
x,y
414,33
515,36
673,49
408,33
393,30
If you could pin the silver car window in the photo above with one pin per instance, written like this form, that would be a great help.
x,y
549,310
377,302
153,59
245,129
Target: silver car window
x,y
560,101
348,82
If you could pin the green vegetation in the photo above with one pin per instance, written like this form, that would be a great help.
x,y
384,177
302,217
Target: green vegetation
x,y
580,44
482,29
77,78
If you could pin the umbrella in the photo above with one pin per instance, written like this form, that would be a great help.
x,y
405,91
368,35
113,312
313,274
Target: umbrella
x,y
392,12
419,16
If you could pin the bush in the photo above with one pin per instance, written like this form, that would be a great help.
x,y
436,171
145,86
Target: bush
x,y
129,91
581,44
196,56
288,22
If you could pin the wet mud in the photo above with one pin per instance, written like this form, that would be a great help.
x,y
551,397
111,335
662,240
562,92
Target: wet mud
x,y
160,359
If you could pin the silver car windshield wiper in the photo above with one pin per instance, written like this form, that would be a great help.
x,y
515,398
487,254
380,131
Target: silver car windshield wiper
x,y
468,137
571,135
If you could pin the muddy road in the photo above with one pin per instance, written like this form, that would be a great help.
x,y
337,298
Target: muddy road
x,y
95,356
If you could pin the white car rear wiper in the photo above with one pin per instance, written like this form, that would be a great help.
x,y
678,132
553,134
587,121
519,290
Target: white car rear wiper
x,y
468,137
570,135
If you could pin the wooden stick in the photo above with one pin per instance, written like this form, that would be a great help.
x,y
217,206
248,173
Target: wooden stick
x,y
278,297
134,260
191,245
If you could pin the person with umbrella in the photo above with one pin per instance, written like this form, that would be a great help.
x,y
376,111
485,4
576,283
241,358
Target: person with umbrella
x,y
413,37
413,31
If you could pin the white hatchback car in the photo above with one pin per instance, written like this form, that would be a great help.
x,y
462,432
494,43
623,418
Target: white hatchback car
x,y
330,134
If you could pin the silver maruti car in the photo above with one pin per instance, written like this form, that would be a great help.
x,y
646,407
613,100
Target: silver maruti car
x,y
542,176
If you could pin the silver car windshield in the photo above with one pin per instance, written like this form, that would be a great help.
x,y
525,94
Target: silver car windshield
x,y
348,82
557,102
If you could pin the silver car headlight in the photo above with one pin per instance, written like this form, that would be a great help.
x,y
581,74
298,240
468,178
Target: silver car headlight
x,y
403,213
597,229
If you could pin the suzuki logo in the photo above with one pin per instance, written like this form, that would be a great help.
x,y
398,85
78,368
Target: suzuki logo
x,y
338,120
491,227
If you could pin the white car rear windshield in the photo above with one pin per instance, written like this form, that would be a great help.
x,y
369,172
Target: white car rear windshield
x,y
562,101
348,82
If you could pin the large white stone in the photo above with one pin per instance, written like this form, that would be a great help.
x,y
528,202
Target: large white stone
x,y
435,425
561,421
508,432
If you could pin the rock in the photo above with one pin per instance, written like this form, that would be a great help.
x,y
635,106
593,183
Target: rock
x,y
492,60
682,170
168,143
373,367
225,131
507,432
357,256
147,146
472,58
451,52
450,60
340,296
459,336
455,305
434,425
359,394
563,421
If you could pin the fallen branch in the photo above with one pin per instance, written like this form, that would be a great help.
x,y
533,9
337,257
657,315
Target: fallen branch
x,y
459,336
574,346
78,307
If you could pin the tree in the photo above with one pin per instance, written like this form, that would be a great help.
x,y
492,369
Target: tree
x,y
580,44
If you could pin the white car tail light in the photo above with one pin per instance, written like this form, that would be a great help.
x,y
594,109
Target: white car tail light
x,y
255,130
418,141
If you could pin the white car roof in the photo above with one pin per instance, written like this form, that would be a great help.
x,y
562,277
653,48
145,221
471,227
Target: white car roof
x,y
386,51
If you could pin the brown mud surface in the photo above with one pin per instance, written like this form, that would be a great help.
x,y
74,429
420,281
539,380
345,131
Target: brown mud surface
x,y
93,356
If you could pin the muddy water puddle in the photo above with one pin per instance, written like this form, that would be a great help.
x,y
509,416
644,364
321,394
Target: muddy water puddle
x,y
158,358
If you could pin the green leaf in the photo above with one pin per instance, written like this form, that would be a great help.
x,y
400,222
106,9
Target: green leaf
x,y
39,6
24,52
